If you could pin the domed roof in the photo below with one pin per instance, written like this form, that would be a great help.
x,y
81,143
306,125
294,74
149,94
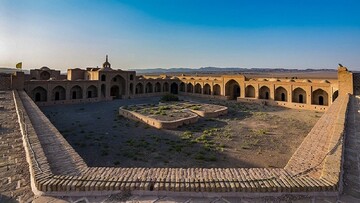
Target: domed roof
x,y
106,65
44,68
324,81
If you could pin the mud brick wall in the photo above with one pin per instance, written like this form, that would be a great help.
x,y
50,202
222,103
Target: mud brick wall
x,y
313,169
320,154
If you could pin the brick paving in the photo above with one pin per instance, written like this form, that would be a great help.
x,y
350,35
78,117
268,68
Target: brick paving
x,y
55,172
319,155
14,170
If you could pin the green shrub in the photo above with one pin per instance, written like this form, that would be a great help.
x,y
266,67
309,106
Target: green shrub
x,y
196,107
162,108
187,135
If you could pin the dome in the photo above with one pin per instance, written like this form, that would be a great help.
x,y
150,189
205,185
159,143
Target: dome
x,y
106,65
44,68
306,80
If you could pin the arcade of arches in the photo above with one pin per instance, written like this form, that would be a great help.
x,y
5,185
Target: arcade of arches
x,y
82,85
232,91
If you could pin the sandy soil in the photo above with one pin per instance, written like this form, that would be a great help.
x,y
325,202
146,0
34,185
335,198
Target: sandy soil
x,y
250,135
163,111
171,111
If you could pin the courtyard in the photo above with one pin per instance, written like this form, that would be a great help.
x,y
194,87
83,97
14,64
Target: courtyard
x,y
250,135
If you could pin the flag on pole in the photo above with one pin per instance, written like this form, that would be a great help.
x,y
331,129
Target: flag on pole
x,y
19,65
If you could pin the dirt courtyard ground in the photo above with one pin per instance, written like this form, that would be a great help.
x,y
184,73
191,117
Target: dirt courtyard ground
x,y
250,135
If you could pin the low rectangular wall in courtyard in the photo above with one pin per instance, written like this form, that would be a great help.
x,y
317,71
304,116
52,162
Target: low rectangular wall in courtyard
x,y
222,110
158,123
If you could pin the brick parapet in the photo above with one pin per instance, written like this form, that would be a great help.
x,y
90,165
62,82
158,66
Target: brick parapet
x,y
232,181
57,152
320,155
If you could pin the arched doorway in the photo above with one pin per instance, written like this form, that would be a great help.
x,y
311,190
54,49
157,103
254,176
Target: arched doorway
x,y
281,94
148,87
120,82
115,92
157,87
174,88
166,87
182,87
320,97
58,93
299,95
91,91
301,98
207,89
264,92
190,88
39,94
76,92
198,88
217,90
139,89
37,97
232,89
250,91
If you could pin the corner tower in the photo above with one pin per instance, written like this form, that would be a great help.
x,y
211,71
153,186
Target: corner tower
x,y
345,79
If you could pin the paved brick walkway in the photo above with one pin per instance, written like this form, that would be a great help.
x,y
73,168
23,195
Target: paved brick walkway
x,y
14,170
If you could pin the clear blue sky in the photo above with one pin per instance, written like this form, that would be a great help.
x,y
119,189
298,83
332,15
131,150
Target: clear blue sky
x,y
65,34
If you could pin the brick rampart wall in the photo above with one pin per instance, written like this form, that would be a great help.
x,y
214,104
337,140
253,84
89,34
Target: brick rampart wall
x,y
199,181
320,154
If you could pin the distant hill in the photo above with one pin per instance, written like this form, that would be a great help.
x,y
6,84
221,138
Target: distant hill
x,y
275,72
224,70
12,70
